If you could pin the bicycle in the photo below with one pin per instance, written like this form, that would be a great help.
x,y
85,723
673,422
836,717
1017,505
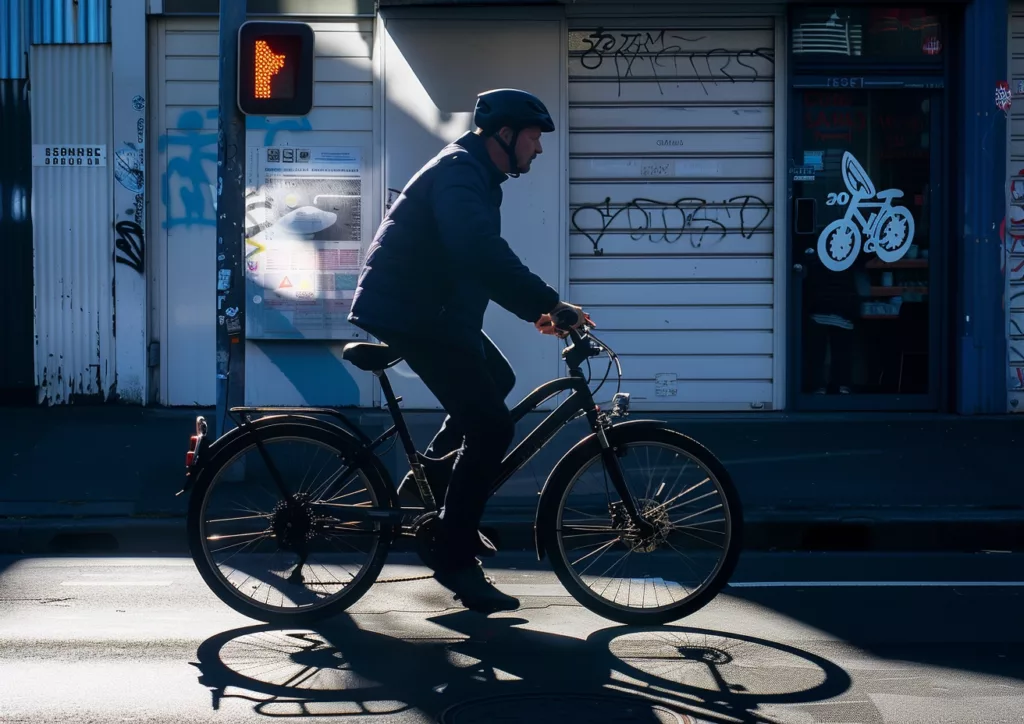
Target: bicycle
x,y
888,231
300,526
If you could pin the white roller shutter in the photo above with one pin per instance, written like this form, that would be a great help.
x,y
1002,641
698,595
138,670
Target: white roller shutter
x,y
672,192
1014,257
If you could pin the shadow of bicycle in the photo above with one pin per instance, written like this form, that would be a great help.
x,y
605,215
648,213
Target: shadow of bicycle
x,y
477,669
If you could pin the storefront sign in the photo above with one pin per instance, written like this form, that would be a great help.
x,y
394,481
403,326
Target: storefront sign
x,y
46,154
844,82
304,243
871,222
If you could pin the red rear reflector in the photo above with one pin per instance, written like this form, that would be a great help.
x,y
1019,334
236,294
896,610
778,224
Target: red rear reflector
x,y
189,457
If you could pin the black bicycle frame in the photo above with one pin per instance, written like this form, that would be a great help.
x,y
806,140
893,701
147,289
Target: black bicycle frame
x,y
580,401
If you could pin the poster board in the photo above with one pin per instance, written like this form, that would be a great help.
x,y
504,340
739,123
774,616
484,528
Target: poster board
x,y
304,245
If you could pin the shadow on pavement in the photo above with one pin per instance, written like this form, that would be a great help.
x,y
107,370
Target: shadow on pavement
x,y
478,669
976,629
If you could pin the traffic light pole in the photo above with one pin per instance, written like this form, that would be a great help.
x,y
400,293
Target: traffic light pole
x,y
230,205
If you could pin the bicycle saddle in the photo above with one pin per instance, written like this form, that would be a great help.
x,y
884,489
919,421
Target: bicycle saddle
x,y
370,357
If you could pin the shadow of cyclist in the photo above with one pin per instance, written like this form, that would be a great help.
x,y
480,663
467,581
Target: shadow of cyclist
x,y
491,669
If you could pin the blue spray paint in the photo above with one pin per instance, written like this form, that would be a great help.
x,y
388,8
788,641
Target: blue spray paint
x,y
201,146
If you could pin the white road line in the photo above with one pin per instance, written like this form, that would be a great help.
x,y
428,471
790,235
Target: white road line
x,y
875,584
116,583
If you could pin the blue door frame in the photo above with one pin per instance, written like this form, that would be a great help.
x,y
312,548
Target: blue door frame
x,y
981,320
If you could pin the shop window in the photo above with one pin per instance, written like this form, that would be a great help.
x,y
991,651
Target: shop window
x,y
862,195
868,33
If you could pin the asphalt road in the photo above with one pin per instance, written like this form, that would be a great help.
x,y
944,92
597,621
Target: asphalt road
x,y
796,638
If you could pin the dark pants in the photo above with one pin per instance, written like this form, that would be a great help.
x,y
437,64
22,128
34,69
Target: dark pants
x,y
471,385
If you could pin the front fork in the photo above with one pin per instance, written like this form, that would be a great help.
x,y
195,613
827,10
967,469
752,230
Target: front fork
x,y
600,423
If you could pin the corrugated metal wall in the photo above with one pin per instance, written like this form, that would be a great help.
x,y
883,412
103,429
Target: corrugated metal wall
x,y
16,379
72,211
48,22
1014,223
70,21
671,124
13,38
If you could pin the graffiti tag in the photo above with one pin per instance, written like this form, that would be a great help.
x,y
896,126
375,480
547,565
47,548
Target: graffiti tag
x,y
702,222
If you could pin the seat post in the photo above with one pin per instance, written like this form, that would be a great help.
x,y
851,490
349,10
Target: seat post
x,y
396,415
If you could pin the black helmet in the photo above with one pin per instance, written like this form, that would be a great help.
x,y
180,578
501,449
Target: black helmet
x,y
516,109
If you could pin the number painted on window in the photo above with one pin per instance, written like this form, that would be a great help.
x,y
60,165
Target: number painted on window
x,y
840,199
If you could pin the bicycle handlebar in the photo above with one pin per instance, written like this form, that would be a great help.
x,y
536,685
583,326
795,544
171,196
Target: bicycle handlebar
x,y
584,344
564,322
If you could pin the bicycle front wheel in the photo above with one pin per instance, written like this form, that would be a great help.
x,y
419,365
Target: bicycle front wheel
x,y
291,562
614,569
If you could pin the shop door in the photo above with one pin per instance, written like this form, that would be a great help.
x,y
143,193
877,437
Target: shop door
x,y
867,197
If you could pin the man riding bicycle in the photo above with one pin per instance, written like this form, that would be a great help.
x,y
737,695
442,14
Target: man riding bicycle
x,y
435,263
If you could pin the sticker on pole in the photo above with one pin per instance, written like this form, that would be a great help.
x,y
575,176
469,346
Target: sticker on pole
x,y
1004,98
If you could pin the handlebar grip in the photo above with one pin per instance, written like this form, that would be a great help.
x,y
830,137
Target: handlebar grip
x,y
565,318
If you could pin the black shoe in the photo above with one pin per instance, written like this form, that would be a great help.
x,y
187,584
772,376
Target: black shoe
x,y
474,590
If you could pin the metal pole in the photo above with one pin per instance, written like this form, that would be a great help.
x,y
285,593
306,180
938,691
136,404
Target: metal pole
x,y
230,205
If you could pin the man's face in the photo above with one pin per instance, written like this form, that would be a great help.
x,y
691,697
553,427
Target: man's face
x,y
528,147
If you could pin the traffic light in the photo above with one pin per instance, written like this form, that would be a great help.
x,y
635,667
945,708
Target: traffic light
x,y
275,68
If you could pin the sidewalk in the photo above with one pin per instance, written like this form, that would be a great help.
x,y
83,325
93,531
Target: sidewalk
x,y
104,478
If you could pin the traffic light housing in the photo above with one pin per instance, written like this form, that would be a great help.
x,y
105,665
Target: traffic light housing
x,y
275,68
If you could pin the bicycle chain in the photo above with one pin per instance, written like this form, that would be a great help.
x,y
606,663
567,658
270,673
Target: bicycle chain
x,y
404,580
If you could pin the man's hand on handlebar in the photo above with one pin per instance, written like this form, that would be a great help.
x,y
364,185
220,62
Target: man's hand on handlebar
x,y
562,318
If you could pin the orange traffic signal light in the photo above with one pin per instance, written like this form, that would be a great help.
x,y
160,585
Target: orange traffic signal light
x,y
275,68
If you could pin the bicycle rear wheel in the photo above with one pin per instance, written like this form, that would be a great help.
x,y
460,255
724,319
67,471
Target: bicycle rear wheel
x,y
289,563
606,563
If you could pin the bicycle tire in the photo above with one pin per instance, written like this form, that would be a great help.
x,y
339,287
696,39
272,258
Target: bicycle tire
x,y
575,461
271,429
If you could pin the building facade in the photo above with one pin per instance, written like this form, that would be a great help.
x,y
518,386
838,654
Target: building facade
x,y
765,206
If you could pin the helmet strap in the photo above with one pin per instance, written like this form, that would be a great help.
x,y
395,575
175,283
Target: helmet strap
x,y
510,149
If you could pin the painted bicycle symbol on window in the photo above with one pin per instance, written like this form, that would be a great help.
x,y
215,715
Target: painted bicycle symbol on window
x,y
888,231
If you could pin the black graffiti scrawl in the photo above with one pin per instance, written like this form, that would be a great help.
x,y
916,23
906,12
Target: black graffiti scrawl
x,y
130,242
664,51
702,222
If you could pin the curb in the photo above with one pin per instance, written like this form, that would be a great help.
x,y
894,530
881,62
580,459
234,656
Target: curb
x,y
93,536
861,531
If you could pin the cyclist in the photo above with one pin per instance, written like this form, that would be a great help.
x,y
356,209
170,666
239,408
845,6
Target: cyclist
x,y
436,261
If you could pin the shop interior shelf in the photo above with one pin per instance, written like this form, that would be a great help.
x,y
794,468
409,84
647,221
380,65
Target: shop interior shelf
x,y
897,291
901,264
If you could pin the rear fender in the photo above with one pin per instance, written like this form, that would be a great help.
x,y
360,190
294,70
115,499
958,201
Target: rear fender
x,y
209,450
561,468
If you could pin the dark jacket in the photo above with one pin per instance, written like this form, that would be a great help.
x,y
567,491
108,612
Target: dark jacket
x,y
438,257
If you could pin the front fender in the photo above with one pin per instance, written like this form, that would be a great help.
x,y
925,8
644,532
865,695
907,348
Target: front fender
x,y
562,464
